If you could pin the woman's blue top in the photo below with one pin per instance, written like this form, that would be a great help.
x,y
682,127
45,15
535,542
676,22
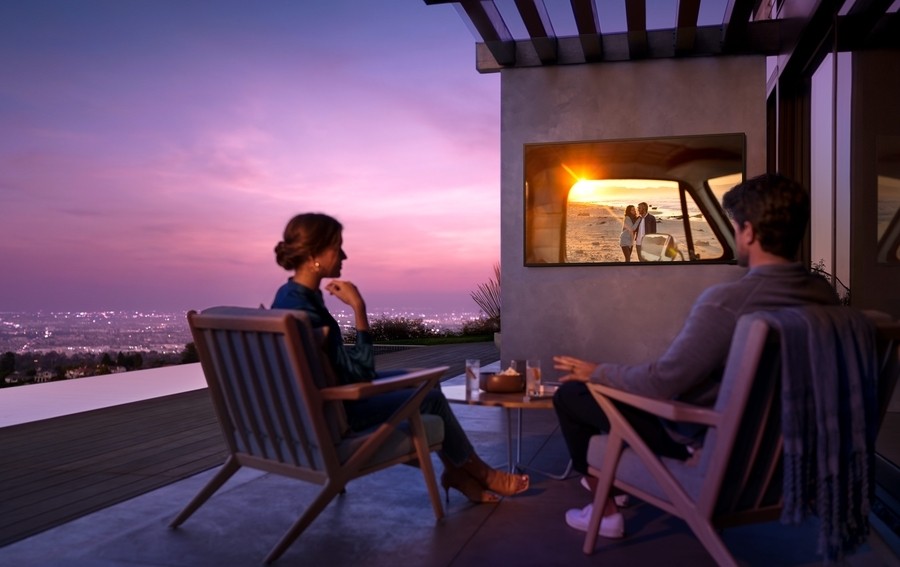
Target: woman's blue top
x,y
352,363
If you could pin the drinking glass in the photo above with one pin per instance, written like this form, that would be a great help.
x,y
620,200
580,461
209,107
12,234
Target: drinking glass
x,y
473,371
533,376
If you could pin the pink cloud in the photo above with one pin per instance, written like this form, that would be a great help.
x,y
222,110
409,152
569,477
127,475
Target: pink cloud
x,y
157,164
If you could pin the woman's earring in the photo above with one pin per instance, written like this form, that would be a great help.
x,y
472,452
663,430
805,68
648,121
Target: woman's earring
x,y
316,264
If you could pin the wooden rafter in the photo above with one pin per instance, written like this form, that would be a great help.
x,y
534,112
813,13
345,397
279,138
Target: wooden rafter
x,y
587,22
537,22
686,26
734,26
636,17
492,29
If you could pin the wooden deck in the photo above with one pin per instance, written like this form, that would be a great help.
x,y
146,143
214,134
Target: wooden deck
x,y
56,470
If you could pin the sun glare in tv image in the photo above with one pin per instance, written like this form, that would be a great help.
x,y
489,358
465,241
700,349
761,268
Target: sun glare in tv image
x,y
609,190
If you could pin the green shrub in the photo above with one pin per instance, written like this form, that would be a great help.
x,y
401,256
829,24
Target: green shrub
x,y
842,291
484,326
386,328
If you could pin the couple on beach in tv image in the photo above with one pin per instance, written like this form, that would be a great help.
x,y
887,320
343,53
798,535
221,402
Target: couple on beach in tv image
x,y
635,225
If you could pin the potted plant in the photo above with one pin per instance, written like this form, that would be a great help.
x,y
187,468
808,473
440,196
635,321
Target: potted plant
x,y
487,297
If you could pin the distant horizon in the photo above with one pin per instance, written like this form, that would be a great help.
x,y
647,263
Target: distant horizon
x,y
375,302
375,310
73,332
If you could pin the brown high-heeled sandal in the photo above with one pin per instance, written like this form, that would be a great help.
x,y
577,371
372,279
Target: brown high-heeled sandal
x,y
468,485
503,483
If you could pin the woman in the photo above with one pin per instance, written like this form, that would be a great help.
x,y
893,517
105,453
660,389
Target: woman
x,y
629,229
312,249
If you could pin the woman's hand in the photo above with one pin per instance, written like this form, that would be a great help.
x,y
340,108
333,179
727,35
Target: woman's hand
x,y
345,291
578,370
349,294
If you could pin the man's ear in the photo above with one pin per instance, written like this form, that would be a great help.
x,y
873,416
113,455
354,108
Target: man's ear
x,y
750,232
746,233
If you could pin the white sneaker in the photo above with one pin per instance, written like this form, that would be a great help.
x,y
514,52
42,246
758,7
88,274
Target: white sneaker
x,y
612,526
621,500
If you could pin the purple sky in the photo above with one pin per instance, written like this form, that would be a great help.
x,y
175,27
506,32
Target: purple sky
x,y
151,152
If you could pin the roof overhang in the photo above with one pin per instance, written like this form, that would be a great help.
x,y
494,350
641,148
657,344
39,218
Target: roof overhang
x,y
796,32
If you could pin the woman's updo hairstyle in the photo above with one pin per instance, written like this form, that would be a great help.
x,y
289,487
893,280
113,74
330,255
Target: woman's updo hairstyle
x,y
306,236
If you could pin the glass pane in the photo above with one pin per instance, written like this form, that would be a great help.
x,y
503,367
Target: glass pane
x,y
888,214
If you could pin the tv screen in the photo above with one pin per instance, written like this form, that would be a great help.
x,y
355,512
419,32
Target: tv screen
x,y
652,200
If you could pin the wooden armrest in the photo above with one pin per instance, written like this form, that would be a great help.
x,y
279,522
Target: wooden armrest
x,y
667,409
362,390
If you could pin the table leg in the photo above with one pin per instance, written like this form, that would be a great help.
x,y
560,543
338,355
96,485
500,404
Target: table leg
x,y
519,466
518,436
509,441
562,476
518,462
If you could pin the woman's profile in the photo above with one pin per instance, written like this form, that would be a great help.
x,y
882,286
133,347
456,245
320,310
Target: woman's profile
x,y
629,229
312,249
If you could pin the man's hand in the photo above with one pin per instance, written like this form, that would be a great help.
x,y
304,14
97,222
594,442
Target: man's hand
x,y
578,370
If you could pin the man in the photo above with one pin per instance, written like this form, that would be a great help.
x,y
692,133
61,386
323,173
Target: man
x,y
646,225
769,214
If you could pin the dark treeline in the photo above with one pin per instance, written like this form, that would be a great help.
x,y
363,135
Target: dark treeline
x,y
29,367
387,329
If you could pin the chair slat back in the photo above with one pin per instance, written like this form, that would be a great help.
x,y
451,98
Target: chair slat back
x,y
742,457
259,368
752,475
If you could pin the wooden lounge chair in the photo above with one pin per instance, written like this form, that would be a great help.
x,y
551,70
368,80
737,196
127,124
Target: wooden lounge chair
x,y
281,411
737,477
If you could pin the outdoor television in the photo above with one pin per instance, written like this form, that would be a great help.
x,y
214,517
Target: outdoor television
x,y
576,194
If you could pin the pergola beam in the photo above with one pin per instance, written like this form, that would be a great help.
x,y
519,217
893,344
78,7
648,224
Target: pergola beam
x,y
686,26
734,25
588,24
493,31
540,29
636,18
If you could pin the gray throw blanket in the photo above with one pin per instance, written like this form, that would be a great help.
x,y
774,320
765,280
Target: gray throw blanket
x,y
829,420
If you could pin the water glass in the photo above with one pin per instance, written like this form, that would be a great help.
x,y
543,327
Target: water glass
x,y
473,371
533,376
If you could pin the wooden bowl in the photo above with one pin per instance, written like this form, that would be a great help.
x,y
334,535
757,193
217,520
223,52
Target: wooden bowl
x,y
502,383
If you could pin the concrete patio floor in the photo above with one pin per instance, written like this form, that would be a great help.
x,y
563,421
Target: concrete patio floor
x,y
386,519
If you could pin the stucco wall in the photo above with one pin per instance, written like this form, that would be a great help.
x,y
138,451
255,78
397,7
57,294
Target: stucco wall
x,y
615,313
